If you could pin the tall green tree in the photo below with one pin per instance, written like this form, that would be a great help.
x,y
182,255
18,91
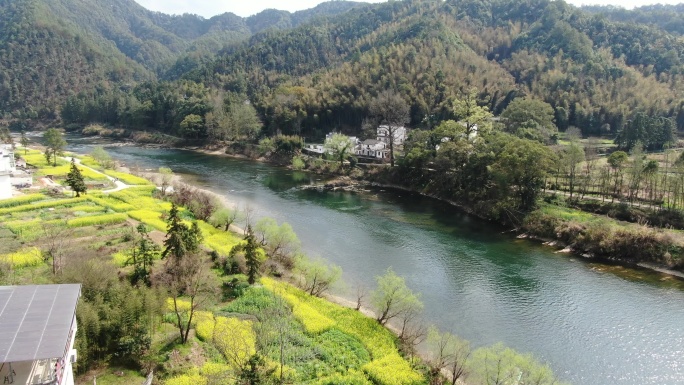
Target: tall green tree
x,y
74,179
340,146
254,255
54,145
521,169
573,155
392,298
142,256
475,118
531,119
184,271
24,141
617,161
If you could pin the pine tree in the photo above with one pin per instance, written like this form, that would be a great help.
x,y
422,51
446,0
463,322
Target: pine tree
x,y
74,179
253,256
176,233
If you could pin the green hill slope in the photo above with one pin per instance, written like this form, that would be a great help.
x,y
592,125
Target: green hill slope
x,y
54,48
596,73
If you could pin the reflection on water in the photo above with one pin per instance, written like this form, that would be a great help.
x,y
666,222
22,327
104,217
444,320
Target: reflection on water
x,y
595,324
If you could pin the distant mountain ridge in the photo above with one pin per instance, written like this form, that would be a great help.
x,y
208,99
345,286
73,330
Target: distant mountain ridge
x,y
108,42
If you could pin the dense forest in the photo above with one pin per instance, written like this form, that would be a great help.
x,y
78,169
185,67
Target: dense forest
x,y
52,49
316,70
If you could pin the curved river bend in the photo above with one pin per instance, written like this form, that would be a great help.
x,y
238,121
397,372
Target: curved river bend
x,y
594,324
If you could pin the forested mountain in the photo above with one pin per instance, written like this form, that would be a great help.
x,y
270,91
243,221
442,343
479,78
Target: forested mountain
x,y
668,17
595,72
51,48
307,73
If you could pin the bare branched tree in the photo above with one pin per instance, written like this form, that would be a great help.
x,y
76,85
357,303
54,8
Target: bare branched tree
x,y
56,240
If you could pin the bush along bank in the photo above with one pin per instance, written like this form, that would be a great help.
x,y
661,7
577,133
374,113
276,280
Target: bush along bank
x,y
601,237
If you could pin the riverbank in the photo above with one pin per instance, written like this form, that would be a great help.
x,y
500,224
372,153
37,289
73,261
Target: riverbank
x,y
567,234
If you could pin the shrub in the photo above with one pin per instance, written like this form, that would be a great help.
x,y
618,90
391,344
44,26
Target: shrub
x,y
298,163
95,220
23,258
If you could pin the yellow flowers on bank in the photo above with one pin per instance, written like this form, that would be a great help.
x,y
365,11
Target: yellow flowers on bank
x,y
387,366
97,220
127,178
23,258
22,200
392,370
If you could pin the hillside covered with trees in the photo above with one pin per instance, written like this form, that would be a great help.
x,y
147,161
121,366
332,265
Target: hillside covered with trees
x,y
52,49
308,72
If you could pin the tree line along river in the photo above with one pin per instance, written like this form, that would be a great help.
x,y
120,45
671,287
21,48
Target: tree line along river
x,y
595,324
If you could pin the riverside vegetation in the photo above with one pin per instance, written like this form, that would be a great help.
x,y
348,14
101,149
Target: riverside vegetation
x,y
166,287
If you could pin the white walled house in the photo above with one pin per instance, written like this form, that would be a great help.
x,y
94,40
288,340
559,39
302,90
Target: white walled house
x,y
7,168
372,148
314,149
37,334
319,149
399,135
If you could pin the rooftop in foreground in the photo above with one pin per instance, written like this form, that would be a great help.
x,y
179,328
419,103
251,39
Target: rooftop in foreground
x,y
36,321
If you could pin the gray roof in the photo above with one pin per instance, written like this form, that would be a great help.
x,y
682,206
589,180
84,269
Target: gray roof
x,y
371,141
35,321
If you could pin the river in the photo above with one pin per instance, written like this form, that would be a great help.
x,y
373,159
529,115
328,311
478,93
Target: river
x,y
594,324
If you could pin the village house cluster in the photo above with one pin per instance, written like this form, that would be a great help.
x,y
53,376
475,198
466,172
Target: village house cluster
x,y
378,148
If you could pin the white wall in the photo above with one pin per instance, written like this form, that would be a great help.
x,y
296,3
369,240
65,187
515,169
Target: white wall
x,y
5,186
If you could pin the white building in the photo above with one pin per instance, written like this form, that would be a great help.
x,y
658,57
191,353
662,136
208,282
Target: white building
x,y
319,149
372,148
314,148
37,333
399,135
7,168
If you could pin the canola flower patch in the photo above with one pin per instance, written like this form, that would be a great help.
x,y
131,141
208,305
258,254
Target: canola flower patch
x,y
392,370
62,170
43,205
378,340
148,217
98,220
127,178
235,339
141,198
23,258
22,200
109,202
37,159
